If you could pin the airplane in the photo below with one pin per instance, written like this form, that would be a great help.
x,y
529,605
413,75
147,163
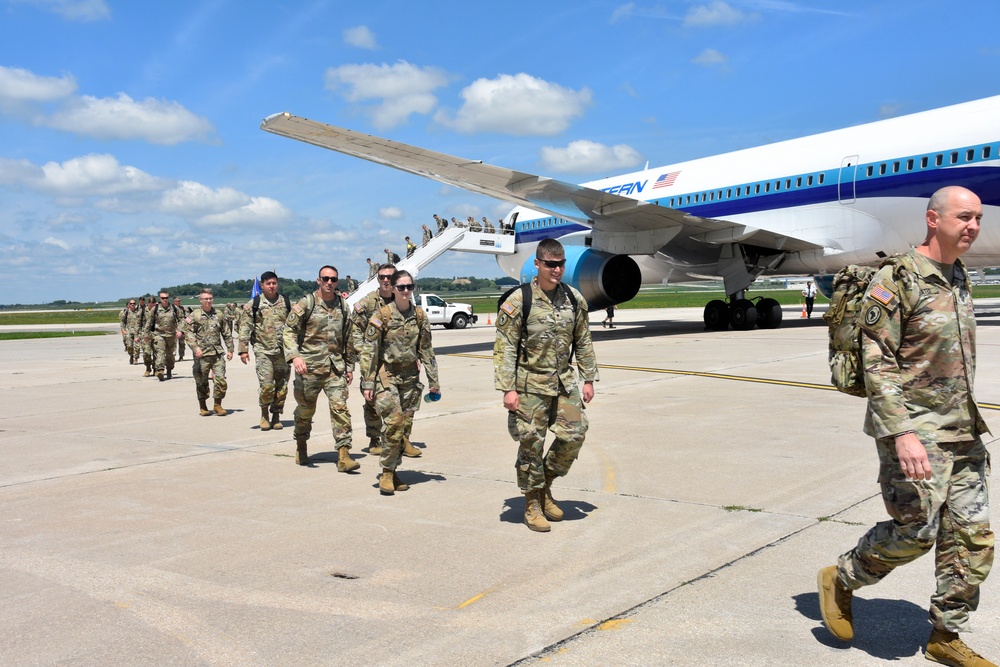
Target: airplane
x,y
806,206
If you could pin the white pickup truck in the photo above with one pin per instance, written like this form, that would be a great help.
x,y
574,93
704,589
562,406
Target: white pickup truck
x,y
451,315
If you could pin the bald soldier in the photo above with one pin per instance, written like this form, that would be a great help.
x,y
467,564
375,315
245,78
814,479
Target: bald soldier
x,y
919,352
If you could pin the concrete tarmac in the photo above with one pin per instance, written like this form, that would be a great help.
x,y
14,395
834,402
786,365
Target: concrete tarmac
x,y
718,476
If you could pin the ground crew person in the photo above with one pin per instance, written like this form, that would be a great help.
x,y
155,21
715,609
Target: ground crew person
x,y
261,326
396,341
532,368
317,341
207,331
918,347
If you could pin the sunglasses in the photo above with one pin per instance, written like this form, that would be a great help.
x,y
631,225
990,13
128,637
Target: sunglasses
x,y
328,279
387,276
131,303
404,288
554,263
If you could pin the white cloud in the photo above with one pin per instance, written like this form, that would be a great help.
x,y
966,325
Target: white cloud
x,y
259,213
360,36
72,10
622,12
190,199
710,58
588,157
18,86
715,14
59,243
403,89
889,110
19,172
391,213
156,121
519,105
93,175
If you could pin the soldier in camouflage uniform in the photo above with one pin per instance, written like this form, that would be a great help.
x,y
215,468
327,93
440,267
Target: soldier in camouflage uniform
x,y
207,331
162,323
129,319
317,340
396,341
262,327
363,311
145,346
918,346
372,268
428,235
539,387
180,341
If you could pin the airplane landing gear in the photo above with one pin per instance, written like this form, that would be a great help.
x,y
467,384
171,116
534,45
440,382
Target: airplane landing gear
x,y
742,314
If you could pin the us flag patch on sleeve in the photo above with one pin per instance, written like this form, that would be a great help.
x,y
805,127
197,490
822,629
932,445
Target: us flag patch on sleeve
x,y
358,307
508,308
882,295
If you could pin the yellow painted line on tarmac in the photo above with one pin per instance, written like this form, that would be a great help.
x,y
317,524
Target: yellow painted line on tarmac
x,y
614,624
475,598
608,472
718,376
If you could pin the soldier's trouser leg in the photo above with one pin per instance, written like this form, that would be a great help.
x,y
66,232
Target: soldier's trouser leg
x,y
272,374
951,510
147,350
306,388
170,351
336,392
373,423
396,404
219,376
200,368
535,415
164,347
180,348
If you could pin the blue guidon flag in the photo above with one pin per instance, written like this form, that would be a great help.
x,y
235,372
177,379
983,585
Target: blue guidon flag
x,y
256,288
666,180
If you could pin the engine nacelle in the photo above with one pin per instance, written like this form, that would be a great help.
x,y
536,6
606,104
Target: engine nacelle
x,y
602,278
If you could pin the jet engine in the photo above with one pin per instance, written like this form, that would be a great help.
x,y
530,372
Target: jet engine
x,y
602,278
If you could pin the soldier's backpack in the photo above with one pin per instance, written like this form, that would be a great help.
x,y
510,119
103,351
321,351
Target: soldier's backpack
x,y
256,309
847,372
395,258
526,309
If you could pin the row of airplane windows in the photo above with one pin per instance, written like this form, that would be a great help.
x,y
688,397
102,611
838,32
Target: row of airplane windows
x,y
953,158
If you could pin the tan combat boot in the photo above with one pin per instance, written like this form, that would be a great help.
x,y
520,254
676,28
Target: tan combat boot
x,y
345,463
385,483
550,509
149,371
947,649
203,408
276,421
410,450
375,446
835,604
218,409
301,455
399,484
265,423
533,517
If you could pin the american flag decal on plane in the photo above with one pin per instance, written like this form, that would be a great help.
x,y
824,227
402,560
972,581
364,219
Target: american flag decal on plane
x,y
666,180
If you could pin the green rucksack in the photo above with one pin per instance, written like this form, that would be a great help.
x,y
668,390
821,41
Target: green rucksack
x,y
847,371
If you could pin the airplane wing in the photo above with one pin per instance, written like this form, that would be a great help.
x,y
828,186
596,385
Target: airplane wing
x,y
591,207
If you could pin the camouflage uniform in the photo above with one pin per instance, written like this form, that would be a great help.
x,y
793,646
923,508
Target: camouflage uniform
x,y
266,328
180,341
145,338
427,236
162,323
328,355
130,325
548,394
393,345
919,354
363,311
208,332
372,270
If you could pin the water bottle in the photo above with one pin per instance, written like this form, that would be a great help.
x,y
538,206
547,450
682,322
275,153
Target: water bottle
x,y
431,397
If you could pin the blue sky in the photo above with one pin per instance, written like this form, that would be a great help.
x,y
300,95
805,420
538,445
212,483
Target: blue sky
x,y
131,156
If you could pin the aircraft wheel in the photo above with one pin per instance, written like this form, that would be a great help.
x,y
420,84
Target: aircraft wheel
x,y
743,315
717,315
768,314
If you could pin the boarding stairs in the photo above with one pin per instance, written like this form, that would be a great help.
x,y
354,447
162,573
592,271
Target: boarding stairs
x,y
459,239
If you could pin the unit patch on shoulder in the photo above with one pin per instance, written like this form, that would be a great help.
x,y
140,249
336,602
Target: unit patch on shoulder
x,y
508,308
872,316
502,320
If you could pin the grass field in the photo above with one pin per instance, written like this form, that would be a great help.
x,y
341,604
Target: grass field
x,y
22,335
